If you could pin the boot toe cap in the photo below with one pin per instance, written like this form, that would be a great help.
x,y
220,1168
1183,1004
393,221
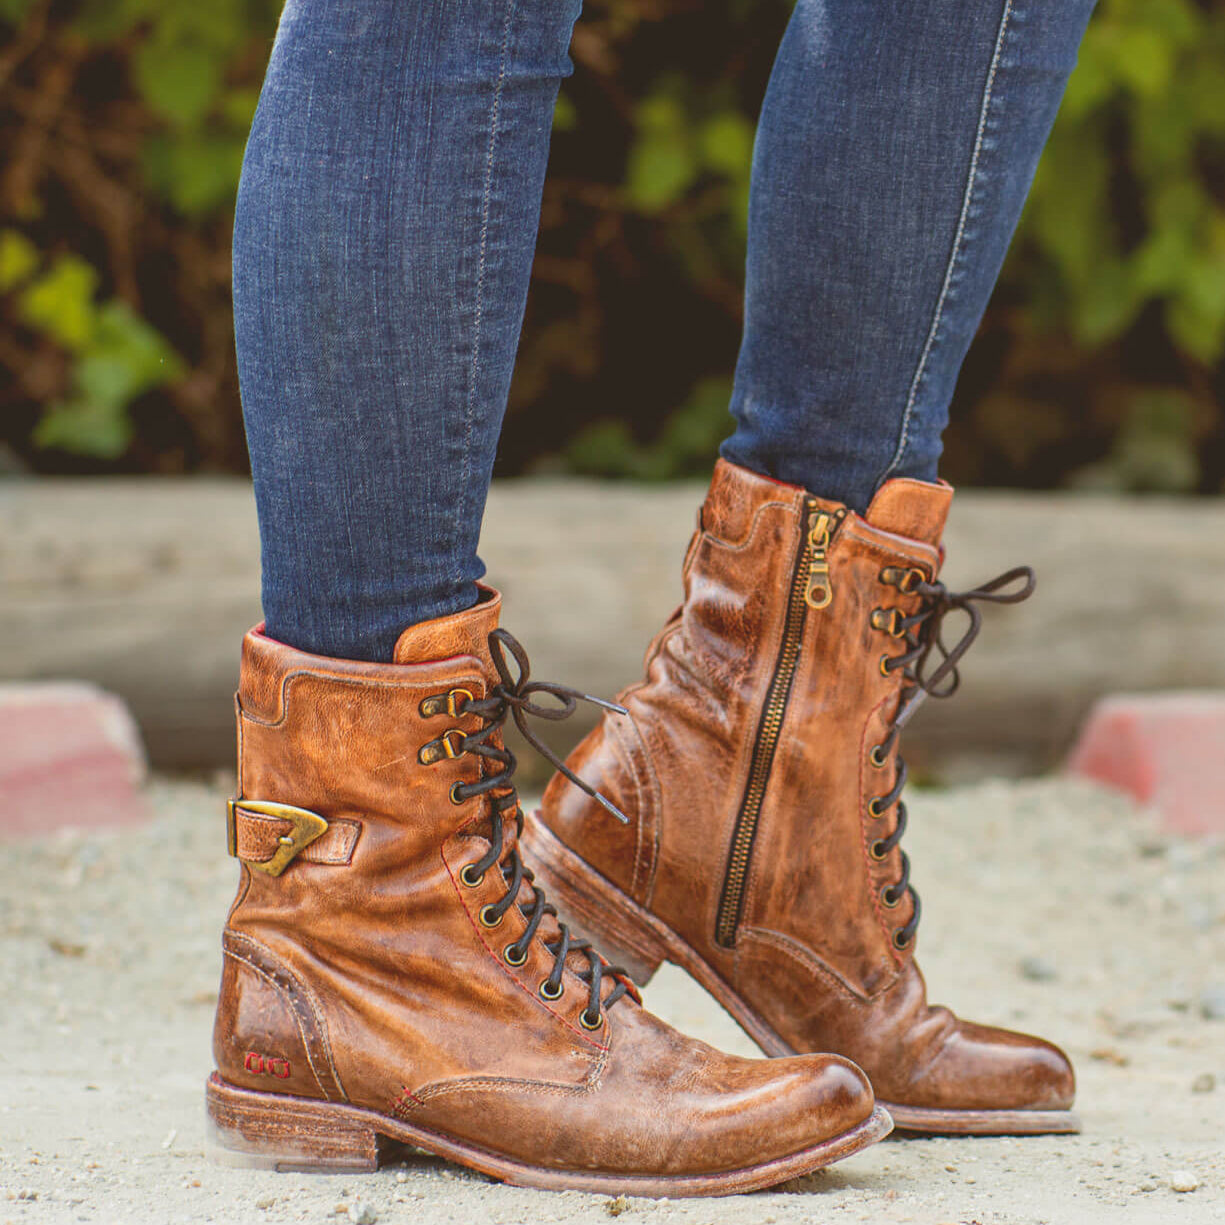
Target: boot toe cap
x,y
984,1068
790,1104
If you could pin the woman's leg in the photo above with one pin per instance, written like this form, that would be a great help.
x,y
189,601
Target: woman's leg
x,y
895,149
386,222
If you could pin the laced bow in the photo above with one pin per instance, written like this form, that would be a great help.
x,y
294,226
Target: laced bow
x,y
923,633
511,697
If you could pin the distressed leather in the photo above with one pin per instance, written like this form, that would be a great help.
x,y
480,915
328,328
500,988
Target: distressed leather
x,y
813,955
362,974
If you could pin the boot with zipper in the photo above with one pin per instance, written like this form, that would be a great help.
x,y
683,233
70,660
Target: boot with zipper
x,y
761,774
392,975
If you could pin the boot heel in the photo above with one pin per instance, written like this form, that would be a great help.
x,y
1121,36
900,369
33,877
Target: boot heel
x,y
273,1131
616,926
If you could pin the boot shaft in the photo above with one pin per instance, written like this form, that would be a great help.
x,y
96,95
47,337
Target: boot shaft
x,y
763,699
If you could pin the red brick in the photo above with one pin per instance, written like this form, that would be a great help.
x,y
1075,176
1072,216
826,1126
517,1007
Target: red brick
x,y
1166,750
70,755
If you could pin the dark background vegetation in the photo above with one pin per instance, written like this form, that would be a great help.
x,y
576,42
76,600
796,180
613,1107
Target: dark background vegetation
x,y
122,125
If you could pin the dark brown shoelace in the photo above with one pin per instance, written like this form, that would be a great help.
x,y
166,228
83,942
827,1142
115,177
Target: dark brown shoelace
x,y
923,634
511,697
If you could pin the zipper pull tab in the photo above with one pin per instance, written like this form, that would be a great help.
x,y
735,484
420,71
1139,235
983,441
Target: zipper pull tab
x,y
820,591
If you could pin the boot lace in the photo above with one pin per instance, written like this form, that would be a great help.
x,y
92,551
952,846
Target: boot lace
x,y
511,698
922,635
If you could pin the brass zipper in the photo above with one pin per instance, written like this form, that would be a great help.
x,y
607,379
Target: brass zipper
x,y
810,588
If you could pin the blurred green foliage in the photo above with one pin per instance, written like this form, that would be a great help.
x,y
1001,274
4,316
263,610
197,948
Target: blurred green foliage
x,y
1101,362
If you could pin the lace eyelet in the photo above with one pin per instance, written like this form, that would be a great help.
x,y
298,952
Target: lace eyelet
x,y
586,1024
874,808
486,920
884,899
447,747
445,704
468,877
510,959
457,799
898,942
548,993
888,621
906,581
877,758
876,850
885,670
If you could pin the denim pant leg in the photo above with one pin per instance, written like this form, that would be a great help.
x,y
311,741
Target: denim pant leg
x,y
895,149
386,221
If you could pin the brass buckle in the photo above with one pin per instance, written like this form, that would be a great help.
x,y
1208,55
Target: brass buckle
x,y
307,826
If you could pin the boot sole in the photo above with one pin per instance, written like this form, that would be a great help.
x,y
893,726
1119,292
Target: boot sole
x,y
278,1132
632,937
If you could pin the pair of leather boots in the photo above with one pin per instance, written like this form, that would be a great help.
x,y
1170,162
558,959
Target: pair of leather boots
x,y
394,974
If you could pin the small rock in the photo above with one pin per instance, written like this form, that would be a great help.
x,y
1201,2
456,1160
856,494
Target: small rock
x,y
1212,1003
401,1176
1038,969
1205,1082
1183,1180
265,1201
615,1207
361,1213
1108,1054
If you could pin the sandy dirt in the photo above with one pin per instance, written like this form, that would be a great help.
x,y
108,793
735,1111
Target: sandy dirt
x,y
1048,905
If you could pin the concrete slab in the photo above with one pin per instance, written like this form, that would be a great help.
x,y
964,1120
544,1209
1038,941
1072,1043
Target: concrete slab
x,y
70,755
1166,750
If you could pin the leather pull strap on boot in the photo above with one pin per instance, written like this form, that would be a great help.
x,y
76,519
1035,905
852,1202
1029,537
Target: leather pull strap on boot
x,y
392,974
761,775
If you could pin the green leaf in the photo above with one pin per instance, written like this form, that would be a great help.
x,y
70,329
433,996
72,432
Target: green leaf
x,y
12,11
663,162
85,427
179,81
196,177
565,116
726,142
18,258
61,302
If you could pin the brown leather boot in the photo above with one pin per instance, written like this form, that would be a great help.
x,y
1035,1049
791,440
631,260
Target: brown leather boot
x,y
391,974
760,775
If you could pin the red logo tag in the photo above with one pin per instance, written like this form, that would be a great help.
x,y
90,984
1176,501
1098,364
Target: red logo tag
x,y
266,1065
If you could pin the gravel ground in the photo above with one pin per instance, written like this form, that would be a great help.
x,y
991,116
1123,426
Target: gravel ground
x,y
1049,905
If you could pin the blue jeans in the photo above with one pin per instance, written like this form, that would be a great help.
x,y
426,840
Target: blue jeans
x,y
386,222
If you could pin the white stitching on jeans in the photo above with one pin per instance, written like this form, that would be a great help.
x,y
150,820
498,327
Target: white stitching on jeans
x,y
486,196
957,252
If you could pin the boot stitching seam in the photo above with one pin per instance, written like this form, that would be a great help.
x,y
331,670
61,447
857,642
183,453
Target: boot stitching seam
x,y
285,995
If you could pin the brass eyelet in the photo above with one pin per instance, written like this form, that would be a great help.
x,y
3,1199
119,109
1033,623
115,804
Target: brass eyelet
x,y
885,670
874,808
445,704
485,919
898,943
889,621
877,758
549,993
511,960
467,877
877,851
456,799
906,581
452,750
586,1024
884,899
